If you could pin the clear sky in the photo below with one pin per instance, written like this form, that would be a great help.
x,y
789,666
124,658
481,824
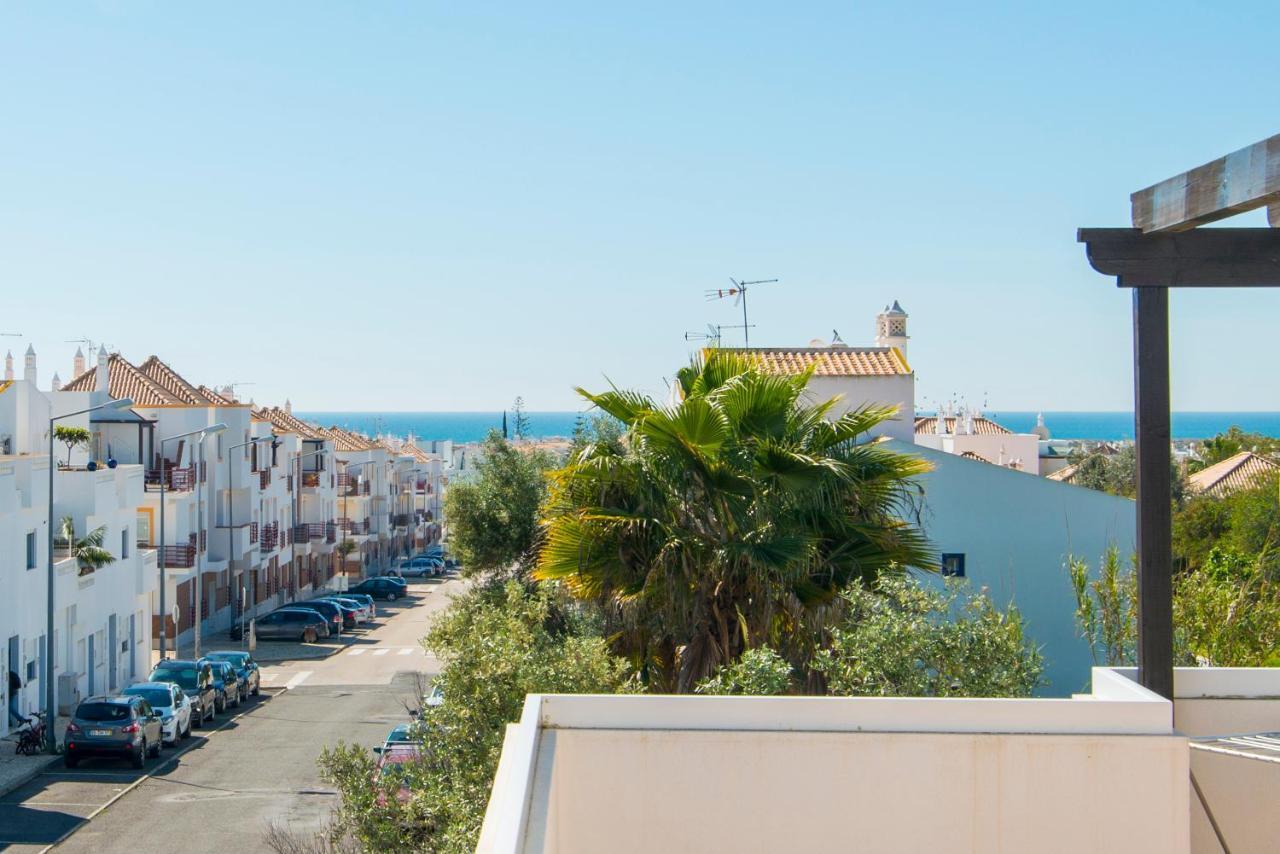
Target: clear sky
x,y
439,206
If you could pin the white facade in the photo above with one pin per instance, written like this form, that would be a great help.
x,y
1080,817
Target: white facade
x,y
856,392
1013,535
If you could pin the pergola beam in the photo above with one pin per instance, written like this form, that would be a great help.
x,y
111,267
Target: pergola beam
x,y
1241,181
1212,257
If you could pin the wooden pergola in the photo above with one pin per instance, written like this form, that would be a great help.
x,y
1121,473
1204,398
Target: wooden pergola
x,y
1165,249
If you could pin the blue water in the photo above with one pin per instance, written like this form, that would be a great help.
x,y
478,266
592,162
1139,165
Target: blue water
x,y
1108,426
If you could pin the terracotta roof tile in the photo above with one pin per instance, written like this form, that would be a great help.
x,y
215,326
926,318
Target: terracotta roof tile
x,y
1064,475
1242,471
286,422
125,380
981,426
173,382
829,361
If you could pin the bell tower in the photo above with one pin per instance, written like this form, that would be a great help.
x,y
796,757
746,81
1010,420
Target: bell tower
x,y
891,328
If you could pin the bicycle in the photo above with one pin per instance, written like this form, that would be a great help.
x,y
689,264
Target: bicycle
x,y
31,739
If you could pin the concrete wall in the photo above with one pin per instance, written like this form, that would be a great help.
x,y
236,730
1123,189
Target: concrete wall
x,y
856,392
1016,532
1001,448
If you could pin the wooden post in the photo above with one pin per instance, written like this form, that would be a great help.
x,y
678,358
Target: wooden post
x,y
1151,427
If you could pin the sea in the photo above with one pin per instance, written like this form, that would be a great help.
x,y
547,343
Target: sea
x,y
1095,426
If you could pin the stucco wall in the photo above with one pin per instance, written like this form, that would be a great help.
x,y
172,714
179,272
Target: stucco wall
x,y
857,392
1016,532
678,791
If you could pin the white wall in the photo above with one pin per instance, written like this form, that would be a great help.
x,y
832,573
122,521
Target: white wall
x,y
857,392
999,448
1016,533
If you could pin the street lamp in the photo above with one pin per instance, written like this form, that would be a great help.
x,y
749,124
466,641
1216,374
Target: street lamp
x,y
164,612
231,518
51,737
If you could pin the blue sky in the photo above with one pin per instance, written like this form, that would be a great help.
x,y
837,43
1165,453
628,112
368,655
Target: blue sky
x,y
439,206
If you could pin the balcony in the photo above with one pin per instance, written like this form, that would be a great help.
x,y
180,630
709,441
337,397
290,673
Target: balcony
x,y
314,531
348,485
173,479
264,478
402,520
183,556
355,526
253,532
270,537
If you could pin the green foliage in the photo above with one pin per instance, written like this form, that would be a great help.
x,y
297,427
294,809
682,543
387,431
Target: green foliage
x,y
1228,444
1246,522
760,671
1227,613
72,437
1106,608
520,425
498,643
1117,473
907,639
729,521
596,428
87,550
493,518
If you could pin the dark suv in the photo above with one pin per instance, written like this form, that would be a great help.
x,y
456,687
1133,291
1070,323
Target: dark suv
x,y
246,669
227,683
331,612
125,727
381,587
195,678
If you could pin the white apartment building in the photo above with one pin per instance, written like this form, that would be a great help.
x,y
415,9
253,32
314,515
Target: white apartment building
x,y
102,627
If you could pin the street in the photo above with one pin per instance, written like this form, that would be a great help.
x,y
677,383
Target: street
x,y
223,788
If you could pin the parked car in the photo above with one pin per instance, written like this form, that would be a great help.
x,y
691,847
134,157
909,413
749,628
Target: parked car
x,y
173,705
227,683
246,668
392,760
364,599
123,726
299,625
419,567
358,609
195,678
331,612
381,587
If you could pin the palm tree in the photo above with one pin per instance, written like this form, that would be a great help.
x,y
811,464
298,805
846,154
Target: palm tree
x,y
88,551
728,520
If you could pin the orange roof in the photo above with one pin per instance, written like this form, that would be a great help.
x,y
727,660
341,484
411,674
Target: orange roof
x,y
1067,474
981,426
345,440
828,361
125,380
287,423
970,455
1242,471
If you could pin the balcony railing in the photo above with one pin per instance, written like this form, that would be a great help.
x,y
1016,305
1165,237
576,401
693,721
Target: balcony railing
x,y
264,478
314,531
180,556
402,520
355,526
253,532
270,537
330,532
174,479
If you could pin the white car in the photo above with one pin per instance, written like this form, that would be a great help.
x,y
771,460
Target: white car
x,y
173,706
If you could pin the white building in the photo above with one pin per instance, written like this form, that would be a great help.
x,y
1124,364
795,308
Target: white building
x,y
102,626
968,433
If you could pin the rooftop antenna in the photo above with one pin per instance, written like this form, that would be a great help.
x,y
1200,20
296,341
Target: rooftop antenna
x,y
10,334
712,334
90,357
234,386
739,293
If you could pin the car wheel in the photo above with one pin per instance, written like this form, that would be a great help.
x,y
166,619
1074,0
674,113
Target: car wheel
x,y
391,596
309,636
155,750
139,757
70,760
257,688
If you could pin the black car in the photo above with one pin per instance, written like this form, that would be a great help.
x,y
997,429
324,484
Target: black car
x,y
125,727
195,678
337,619
292,624
227,683
246,669
380,587
350,609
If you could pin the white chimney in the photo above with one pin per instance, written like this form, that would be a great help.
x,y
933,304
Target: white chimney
x,y
102,381
29,367
77,364
8,365
57,383
288,407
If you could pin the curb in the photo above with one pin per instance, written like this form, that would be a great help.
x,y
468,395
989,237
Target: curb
x,y
37,768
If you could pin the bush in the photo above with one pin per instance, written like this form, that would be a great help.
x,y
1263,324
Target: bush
x,y
497,643
760,671
905,639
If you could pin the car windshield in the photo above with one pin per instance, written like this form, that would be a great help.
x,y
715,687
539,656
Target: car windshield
x,y
183,677
103,712
157,697
235,658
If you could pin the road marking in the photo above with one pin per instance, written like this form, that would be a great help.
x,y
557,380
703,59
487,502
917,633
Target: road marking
x,y
381,651
360,651
297,680
408,650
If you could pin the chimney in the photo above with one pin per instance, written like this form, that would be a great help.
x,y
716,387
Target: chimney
x,y
57,383
103,379
29,366
77,365
8,365
288,407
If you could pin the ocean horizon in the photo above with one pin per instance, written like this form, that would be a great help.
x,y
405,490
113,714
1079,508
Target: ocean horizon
x,y
1095,426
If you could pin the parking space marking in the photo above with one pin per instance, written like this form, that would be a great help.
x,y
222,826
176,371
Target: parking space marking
x,y
297,680
408,650
357,651
381,651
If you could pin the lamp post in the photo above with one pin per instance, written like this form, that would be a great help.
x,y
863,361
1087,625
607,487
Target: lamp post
x,y
50,705
164,612
346,468
231,516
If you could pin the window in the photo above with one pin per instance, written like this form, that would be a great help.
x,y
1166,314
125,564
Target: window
x,y
31,549
124,543
953,565
142,525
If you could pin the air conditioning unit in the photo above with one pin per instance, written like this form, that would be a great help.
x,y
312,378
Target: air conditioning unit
x,y
68,693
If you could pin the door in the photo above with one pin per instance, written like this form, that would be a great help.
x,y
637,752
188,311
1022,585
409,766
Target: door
x,y
133,646
113,653
14,663
91,668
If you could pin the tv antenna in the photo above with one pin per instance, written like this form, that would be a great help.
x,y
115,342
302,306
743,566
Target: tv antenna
x,y
739,293
234,386
10,334
712,334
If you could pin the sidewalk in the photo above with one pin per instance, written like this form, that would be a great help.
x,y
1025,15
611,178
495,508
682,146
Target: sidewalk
x,y
16,770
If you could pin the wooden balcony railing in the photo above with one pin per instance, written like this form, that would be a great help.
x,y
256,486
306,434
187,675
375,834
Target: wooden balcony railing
x,y
253,532
264,478
174,479
180,556
270,537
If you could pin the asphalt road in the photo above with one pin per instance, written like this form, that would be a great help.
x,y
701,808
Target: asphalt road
x,y
224,788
